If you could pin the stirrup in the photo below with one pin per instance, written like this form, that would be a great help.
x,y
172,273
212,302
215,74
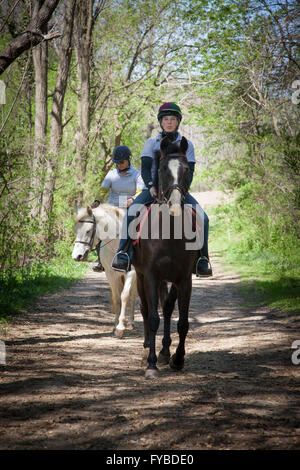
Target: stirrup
x,y
122,270
203,258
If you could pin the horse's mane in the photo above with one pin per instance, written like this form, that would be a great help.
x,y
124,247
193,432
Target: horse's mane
x,y
172,147
82,212
169,149
112,210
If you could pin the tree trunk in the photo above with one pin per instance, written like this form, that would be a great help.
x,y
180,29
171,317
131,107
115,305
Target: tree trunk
x,y
56,125
39,54
83,41
86,14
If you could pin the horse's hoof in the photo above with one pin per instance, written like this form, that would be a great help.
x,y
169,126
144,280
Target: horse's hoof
x,y
163,359
119,333
175,365
130,326
151,374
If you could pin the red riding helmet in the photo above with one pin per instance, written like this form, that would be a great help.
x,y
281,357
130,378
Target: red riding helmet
x,y
169,109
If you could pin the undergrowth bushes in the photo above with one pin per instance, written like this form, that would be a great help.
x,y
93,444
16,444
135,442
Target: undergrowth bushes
x,y
262,243
20,289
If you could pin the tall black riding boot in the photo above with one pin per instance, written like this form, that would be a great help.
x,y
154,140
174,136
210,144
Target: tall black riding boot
x,y
98,267
122,260
203,267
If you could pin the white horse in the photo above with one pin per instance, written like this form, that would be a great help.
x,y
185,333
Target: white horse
x,y
104,223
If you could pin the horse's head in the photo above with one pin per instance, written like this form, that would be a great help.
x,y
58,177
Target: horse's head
x,y
173,174
85,230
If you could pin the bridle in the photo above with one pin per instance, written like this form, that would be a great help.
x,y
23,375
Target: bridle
x,y
166,194
91,242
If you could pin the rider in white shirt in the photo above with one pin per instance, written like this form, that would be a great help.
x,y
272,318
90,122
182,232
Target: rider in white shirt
x,y
169,117
123,182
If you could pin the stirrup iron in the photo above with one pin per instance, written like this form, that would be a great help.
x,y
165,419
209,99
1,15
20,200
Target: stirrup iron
x,y
125,270
202,258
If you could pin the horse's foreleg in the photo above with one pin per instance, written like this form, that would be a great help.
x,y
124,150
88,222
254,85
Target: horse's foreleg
x,y
151,291
168,307
133,296
184,295
125,297
116,286
144,312
115,303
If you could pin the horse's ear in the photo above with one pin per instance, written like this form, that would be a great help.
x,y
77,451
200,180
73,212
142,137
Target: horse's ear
x,y
89,210
76,209
164,144
183,145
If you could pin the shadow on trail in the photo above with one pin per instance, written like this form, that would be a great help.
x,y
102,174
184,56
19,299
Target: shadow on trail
x,y
75,389
214,408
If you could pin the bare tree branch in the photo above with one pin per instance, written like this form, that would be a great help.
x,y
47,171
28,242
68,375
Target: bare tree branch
x,y
9,14
16,97
31,37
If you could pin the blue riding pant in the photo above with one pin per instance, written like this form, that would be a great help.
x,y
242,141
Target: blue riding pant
x,y
145,198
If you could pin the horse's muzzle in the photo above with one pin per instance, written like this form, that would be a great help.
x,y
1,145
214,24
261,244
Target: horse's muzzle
x,y
80,256
175,209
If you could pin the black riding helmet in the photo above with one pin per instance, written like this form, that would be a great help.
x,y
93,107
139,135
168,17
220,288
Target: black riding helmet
x,y
120,153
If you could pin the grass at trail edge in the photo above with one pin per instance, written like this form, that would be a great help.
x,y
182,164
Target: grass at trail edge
x,y
268,275
20,290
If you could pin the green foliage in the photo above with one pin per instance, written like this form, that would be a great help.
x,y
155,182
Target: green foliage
x,y
227,58
132,56
20,290
252,139
266,256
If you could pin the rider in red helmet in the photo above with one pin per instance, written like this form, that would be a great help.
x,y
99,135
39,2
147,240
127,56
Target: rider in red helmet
x,y
169,116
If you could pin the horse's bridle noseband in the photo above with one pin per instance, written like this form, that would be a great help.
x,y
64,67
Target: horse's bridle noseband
x,y
166,194
91,242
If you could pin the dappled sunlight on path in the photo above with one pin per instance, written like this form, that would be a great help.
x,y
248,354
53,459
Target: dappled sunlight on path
x,y
70,384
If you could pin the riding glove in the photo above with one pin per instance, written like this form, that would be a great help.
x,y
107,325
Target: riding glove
x,y
153,192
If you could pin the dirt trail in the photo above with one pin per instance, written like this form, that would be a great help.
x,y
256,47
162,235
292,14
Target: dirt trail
x,y
69,384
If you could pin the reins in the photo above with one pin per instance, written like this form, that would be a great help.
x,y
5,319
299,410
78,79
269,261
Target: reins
x,y
181,189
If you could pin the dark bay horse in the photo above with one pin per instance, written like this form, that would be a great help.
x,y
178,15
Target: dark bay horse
x,y
165,259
